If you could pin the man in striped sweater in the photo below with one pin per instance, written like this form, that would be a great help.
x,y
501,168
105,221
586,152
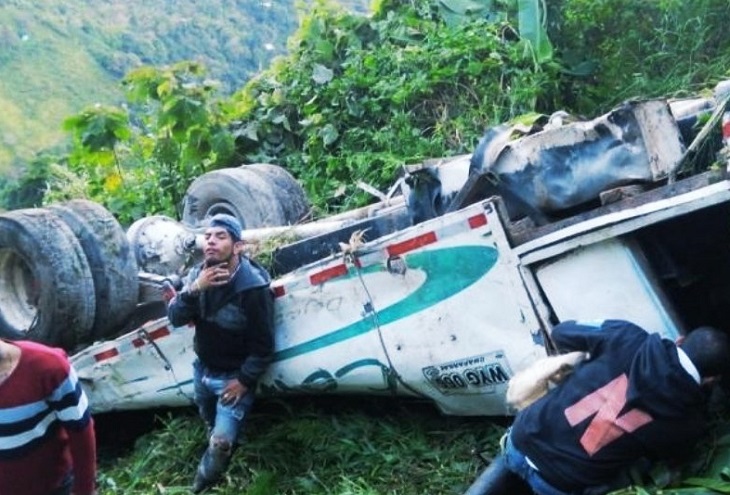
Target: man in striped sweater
x,y
47,440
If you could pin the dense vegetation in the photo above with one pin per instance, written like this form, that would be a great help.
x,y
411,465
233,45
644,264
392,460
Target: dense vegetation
x,y
358,96
353,446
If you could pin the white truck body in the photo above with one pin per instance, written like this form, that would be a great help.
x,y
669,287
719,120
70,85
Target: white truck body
x,y
440,292
446,310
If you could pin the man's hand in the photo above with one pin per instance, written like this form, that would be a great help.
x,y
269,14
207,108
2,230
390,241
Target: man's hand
x,y
233,392
212,276
168,291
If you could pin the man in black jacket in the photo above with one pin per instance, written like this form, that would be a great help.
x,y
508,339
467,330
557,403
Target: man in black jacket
x,y
637,397
228,299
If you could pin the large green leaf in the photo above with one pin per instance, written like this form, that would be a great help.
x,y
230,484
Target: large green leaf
x,y
457,11
99,127
531,23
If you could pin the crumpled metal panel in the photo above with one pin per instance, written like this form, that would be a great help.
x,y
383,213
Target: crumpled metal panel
x,y
432,186
562,166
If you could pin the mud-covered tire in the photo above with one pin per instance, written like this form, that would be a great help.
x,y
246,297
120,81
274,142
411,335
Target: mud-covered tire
x,y
46,287
259,195
111,260
292,197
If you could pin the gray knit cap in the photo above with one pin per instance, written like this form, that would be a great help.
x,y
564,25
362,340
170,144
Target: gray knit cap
x,y
228,222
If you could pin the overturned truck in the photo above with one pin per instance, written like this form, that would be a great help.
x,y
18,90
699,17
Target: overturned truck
x,y
441,291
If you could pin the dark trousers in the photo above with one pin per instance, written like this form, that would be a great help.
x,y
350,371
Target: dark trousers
x,y
496,479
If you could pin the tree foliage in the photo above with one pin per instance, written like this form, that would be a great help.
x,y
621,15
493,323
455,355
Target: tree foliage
x,y
59,56
614,50
143,160
358,97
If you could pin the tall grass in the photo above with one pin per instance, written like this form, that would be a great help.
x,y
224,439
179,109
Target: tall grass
x,y
358,446
313,446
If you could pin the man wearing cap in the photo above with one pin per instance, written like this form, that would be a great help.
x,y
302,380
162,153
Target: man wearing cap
x,y
228,299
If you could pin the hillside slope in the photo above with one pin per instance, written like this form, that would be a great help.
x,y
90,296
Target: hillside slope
x,y
59,56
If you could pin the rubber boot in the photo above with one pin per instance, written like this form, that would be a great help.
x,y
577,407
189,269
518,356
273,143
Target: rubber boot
x,y
214,462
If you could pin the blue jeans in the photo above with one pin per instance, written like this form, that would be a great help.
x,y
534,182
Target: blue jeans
x,y
223,421
497,479
517,463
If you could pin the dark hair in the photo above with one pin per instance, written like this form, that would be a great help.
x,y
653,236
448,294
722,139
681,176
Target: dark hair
x,y
709,350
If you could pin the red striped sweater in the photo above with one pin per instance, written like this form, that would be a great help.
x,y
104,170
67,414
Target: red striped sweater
x,y
46,431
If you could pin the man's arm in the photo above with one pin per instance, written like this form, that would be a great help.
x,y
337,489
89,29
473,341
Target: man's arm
x,y
184,306
83,453
588,336
259,308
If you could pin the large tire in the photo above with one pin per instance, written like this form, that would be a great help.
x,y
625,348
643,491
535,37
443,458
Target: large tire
x,y
259,195
292,198
46,287
112,262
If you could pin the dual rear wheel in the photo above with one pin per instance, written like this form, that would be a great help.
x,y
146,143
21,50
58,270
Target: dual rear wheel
x,y
68,275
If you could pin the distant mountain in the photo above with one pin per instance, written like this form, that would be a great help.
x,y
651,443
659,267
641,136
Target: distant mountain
x,y
58,56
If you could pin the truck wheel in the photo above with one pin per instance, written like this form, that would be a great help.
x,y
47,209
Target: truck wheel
x,y
259,195
291,195
46,287
112,262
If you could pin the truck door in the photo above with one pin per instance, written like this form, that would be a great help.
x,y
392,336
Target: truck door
x,y
435,311
326,335
452,314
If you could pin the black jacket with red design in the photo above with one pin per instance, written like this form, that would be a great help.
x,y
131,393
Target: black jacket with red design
x,y
631,399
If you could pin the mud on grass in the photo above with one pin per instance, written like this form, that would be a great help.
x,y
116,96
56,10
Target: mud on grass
x,y
342,446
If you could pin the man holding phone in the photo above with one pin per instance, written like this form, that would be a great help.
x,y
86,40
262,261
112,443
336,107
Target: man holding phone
x,y
228,299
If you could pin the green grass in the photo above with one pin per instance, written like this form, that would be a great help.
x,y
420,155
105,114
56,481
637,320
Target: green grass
x,y
354,446
313,446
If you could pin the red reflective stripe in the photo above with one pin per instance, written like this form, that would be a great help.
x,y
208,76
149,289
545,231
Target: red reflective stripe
x,y
327,274
138,342
411,244
159,333
477,221
106,355
279,290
